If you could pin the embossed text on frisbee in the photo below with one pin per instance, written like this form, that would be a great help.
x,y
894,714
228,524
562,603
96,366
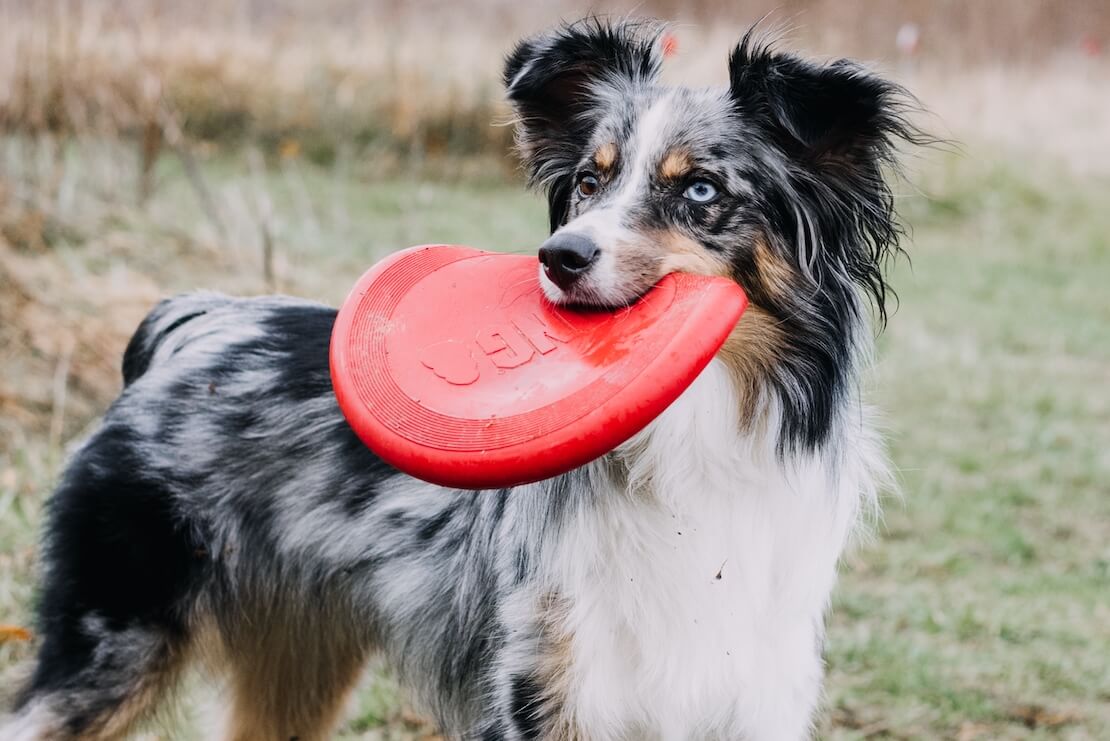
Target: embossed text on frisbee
x,y
505,344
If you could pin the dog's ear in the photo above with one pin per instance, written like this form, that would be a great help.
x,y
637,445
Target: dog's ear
x,y
825,115
556,83
839,125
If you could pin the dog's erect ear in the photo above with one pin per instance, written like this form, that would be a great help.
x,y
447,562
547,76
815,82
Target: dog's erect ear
x,y
839,125
555,83
823,114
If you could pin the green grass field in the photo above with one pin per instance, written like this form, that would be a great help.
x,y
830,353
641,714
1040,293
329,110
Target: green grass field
x,y
980,608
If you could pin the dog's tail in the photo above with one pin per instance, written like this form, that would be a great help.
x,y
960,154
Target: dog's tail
x,y
168,316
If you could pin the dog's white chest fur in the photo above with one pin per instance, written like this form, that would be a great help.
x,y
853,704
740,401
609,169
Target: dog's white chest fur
x,y
695,598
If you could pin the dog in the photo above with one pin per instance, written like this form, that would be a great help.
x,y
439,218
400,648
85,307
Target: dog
x,y
224,513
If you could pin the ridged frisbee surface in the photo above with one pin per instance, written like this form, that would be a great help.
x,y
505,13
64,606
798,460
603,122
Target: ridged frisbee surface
x,y
452,366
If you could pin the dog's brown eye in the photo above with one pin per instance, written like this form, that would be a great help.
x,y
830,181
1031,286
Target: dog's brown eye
x,y
587,185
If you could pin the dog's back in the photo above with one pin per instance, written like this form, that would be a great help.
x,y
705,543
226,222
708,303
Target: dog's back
x,y
224,511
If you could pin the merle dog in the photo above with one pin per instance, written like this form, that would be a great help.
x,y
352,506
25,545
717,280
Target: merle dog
x,y
224,513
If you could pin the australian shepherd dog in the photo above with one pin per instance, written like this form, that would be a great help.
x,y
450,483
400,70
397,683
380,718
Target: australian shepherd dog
x,y
224,514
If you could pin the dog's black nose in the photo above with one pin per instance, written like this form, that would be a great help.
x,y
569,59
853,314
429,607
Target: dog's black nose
x,y
567,257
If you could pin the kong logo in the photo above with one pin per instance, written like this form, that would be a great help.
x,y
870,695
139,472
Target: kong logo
x,y
506,345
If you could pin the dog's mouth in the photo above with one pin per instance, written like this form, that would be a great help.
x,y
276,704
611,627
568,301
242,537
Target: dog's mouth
x,y
586,296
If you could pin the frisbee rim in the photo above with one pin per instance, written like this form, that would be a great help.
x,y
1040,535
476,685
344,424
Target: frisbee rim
x,y
538,458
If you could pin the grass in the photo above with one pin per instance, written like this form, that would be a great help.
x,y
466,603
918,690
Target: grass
x,y
987,595
982,607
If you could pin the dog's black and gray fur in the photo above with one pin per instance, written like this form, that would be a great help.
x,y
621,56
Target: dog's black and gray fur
x,y
224,512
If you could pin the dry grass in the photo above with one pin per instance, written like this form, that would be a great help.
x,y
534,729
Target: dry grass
x,y
421,78
98,68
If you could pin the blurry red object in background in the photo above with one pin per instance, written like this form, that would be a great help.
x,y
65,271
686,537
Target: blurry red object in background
x,y
908,39
670,45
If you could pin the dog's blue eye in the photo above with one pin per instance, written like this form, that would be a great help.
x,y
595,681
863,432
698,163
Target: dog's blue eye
x,y
700,191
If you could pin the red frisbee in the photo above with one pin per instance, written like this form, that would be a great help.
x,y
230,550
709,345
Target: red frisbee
x,y
451,365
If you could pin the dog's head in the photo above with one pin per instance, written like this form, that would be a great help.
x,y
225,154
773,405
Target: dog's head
x,y
775,181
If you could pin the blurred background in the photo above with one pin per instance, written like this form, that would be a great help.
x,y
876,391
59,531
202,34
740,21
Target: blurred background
x,y
152,146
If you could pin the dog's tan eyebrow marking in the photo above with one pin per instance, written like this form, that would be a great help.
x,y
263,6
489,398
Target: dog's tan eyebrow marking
x,y
676,165
606,157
